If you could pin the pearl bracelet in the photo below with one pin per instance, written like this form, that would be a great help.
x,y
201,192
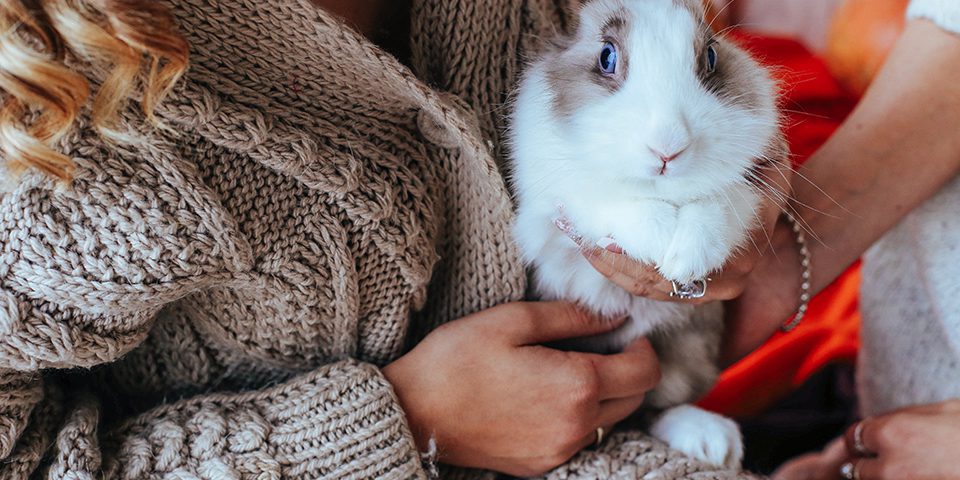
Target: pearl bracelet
x,y
805,275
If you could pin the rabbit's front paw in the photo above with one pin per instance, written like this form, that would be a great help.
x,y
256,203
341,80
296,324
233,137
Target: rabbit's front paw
x,y
701,243
702,435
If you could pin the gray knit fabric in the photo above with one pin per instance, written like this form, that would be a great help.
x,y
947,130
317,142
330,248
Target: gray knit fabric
x,y
215,303
910,350
911,310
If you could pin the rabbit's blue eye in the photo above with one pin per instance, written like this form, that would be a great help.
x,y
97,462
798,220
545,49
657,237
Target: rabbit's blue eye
x,y
712,58
608,59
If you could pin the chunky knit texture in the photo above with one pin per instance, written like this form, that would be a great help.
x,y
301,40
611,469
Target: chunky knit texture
x,y
215,303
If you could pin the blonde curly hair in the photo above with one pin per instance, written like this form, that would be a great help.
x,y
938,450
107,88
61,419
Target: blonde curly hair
x,y
134,43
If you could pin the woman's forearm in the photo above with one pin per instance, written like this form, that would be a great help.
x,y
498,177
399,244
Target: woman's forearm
x,y
898,148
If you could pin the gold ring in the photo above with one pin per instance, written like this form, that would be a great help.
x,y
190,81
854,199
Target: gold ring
x,y
600,433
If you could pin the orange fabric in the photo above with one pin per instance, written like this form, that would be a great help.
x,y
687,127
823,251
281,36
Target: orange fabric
x,y
815,105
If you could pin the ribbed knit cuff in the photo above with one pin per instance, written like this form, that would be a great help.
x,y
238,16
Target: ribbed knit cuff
x,y
29,410
338,422
945,13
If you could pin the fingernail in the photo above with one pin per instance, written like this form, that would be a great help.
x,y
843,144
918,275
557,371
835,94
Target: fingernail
x,y
610,245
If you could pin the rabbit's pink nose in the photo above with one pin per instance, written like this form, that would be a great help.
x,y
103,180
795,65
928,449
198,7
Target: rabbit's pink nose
x,y
667,157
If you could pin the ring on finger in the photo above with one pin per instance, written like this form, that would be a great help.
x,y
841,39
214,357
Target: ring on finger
x,y
687,291
859,447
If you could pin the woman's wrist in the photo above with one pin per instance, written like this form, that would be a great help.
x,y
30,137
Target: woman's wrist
x,y
783,267
398,375
771,295
888,157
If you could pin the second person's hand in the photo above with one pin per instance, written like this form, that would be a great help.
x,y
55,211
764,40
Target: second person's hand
x,y
493,397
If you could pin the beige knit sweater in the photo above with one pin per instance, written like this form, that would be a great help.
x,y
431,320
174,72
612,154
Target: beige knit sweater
x,y
216,303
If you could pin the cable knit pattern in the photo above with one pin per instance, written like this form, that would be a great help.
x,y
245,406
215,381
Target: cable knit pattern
x,y
313,209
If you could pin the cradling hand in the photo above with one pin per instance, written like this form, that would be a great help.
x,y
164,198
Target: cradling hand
x,y
493,397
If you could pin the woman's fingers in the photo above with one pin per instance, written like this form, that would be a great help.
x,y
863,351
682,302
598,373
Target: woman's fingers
x,y
824,465
627,374
534,323
609,414
869,469
592,439
645,281
613,411
635,277
860,441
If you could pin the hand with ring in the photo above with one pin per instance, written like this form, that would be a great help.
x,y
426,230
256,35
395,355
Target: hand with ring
x,y
916,443
641,279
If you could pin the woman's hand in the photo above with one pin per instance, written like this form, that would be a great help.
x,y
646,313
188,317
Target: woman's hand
x,y
918,443
491,396
864,176
771,295
644,280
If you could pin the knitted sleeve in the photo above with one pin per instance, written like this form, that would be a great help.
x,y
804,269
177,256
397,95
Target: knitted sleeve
x,y
83,275
945,13
340,421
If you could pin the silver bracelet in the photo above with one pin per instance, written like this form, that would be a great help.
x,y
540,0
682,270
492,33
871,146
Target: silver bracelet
x,y
805,275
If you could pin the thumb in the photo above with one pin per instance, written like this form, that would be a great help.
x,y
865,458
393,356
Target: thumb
x,y
552,321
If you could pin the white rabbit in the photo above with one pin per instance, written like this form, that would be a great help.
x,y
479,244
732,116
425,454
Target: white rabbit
x,y
644,127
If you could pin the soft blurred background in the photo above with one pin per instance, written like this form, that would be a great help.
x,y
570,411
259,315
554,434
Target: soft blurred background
x,y
807,20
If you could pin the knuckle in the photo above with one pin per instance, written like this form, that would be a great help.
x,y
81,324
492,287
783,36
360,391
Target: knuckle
x,y
891,470
890,432
639,287
585,384
743,267
731,290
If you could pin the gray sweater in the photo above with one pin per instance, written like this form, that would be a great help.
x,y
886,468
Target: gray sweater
x,y
911,292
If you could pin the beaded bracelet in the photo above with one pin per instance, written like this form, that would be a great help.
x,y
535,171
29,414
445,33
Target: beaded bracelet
x,y
805,275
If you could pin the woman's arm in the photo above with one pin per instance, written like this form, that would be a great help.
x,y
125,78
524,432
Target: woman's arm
x,y
898,148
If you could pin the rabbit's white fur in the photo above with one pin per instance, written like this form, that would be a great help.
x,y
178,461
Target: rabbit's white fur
x,y
588,158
